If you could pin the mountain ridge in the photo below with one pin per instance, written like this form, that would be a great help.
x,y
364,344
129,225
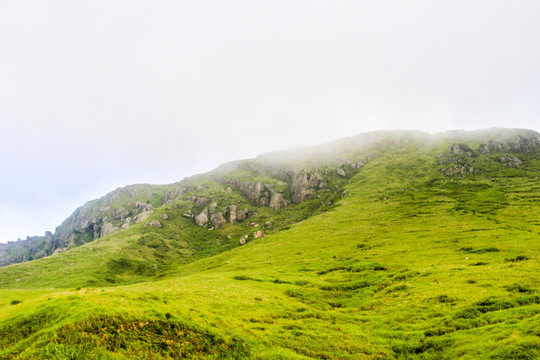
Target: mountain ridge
x,y
131,204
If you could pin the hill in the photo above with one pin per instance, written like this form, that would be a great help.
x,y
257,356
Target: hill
x,y
384,245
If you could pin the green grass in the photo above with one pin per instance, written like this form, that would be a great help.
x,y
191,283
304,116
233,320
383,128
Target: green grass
x,y
408,264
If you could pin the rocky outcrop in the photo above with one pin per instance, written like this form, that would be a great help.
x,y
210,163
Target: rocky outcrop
x,y
243,239
341,172
456,161
305,184
108,228
199,201
153,223
510,161
522,143
211,216
142,216
259,193
202,218
217,220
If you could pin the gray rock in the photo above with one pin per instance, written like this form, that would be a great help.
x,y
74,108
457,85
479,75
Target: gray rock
x,y
202,218
305,184
242,215
199,200
341,172
243,239
510,161
143,206
218,220
258,234
165,217
153,223
142,216
108,228
212,208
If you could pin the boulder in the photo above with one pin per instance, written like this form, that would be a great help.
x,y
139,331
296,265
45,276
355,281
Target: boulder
x,y
231,213
153,223
108,228
202,218
258,234
341,172
142,216
305,184
243,239
199,200
242,215
218,220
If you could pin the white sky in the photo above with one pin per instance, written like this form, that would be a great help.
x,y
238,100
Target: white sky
x,y
100,94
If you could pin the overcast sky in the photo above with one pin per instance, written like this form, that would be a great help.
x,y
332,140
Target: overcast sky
x,y
100,94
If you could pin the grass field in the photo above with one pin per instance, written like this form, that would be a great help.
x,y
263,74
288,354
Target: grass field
x,y
409,264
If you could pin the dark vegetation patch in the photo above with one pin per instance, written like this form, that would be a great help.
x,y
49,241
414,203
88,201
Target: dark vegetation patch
x,y
244,277
471,250
519,288
420,345
517,258
523,351
137,338
353,268
24,326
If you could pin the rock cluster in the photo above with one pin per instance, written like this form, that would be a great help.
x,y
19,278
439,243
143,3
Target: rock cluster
x,y
510,161
456,161
210,217
525,142
259,193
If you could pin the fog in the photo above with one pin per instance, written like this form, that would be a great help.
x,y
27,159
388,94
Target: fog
x,y
100,94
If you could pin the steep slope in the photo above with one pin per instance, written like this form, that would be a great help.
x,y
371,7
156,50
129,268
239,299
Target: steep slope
x,y
422,258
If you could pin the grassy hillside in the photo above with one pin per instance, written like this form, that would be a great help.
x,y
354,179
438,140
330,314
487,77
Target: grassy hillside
x,y
409,264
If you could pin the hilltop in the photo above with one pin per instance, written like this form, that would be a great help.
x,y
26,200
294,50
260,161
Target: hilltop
x,y
381,245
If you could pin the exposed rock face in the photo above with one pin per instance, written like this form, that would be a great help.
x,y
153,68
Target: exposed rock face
x,y
510,161
199,200
242,215
230,213
202,218
142,216
143,206
456,161
259,193
525,142
218,220
305,184
107,229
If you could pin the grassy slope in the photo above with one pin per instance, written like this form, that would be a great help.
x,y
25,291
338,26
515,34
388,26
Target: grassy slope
x,y
411,265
